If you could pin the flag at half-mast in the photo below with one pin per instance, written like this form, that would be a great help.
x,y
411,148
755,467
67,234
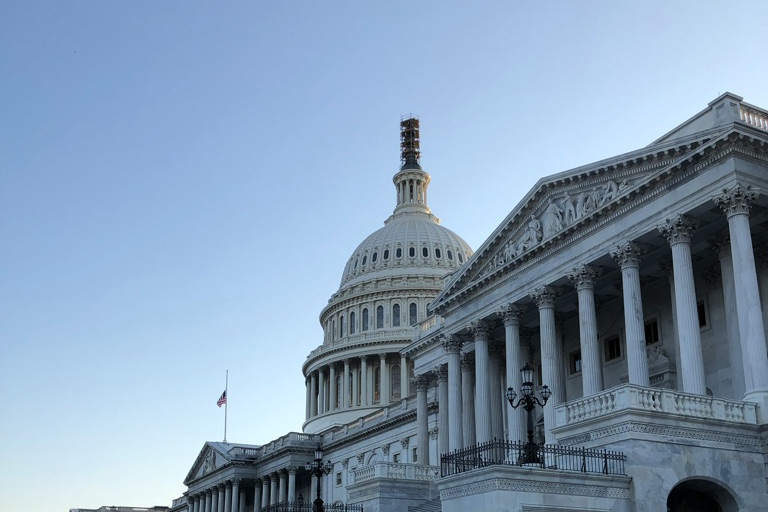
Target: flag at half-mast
x,y
222,399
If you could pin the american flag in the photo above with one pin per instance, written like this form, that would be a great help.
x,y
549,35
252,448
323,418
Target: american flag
x,y
222,399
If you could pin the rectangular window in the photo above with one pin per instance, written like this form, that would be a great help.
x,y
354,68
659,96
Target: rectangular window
x,y
415,456
338,479
396,458
652,332
574,362
612,347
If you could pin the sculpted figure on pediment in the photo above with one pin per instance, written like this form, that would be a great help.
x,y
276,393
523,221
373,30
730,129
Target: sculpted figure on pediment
x,y
592,201
611,192
534,231
569,210
554,218
210,462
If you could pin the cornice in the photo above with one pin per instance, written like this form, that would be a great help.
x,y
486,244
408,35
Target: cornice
x,y
378,294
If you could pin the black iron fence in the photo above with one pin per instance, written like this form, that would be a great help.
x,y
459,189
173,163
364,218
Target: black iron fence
x,y
309,507
548,456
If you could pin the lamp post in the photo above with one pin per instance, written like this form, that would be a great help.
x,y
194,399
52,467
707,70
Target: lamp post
x,y
318,468
528,401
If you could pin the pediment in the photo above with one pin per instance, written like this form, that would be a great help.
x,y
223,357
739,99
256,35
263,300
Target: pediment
x,y
567,203
208,460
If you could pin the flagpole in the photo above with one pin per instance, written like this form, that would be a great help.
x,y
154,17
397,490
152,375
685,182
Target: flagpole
x,y
226,403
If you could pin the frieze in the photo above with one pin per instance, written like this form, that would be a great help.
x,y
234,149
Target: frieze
x,y
666,431
560,213
533,486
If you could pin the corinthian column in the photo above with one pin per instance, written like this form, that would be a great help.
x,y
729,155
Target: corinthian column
x,y
384,382
510,315
346,385
363,381
292,484
322,400
452,347
583,279
494,390
721,244
215,499
221,498
282,492
273,482
468,401
235,495
480,330
227,497
736,204
332,403
265,491
313,395
627,256
678,232
441,374
422,419
257,496
544,297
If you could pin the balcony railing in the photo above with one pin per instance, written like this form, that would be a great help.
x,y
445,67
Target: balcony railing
x,y
549,457
396,471
632,397
754,116
308,507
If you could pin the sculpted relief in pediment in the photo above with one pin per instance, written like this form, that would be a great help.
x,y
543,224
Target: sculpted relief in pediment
x,y
561,211
209,464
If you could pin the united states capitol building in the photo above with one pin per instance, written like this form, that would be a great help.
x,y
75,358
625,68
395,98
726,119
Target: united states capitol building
x,y
634,287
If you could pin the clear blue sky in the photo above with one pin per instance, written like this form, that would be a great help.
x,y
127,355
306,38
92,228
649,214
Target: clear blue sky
x,y
182,182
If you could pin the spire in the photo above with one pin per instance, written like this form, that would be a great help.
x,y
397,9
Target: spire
x,y
409,142
411,181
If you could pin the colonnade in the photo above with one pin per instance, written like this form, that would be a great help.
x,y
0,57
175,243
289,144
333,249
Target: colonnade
x,y
273,489
359,386
466,419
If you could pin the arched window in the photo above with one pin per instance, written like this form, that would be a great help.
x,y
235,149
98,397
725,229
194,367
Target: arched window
x,y
341,326
377,384
373,258
380,317
396,315
365,258
461,258
399,253
425,252
412,314
386,254
365,319
394,378
339,385
333,330
450,254
352,323
412,252
438,254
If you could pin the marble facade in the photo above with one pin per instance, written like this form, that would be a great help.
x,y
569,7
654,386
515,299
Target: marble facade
x,y
636,287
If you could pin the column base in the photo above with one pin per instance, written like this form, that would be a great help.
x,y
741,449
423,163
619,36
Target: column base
x,y
759,397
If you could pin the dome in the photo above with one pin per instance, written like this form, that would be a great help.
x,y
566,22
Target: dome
x,y
409,243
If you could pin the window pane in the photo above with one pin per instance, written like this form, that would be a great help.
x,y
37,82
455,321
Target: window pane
x,y
412,313
396,315
352,323
380,317
365,319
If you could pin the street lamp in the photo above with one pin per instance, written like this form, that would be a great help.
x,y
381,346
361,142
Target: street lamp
x,y
318,468
528,401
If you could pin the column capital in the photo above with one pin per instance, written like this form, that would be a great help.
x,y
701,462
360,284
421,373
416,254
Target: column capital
x,y
452,344
292,470
544,297
404,442
627,255
509,314
383,356
364,359
583,277
345,463
736,201
421,382
236,481
480,329
265,479
441,373
678,229
360,457
433,432
385,449
721,243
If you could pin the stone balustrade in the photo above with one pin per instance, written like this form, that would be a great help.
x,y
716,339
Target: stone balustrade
x,y
655,400
290,439
397,471
754,116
